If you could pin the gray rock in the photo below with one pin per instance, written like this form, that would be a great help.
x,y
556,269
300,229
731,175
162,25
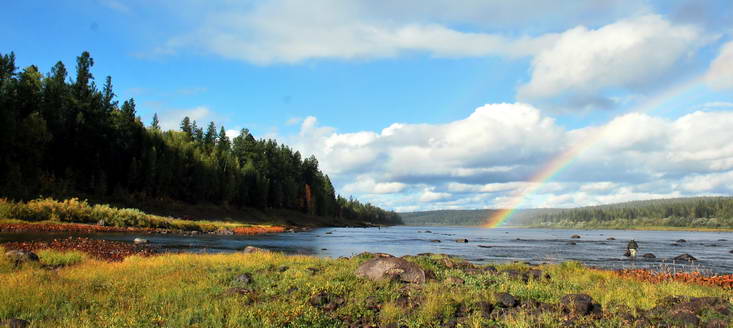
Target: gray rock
x,y
681,241
685,258
462,240
101,223
506,300
244,278
391,268
140,241
610,238
224,232
579,304
575,236
454,281
649,256
252,249
21,256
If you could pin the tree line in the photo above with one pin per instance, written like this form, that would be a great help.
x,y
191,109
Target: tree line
x,y
64,136
694,212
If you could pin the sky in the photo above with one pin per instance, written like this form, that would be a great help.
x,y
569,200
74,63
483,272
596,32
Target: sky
x,y
429,104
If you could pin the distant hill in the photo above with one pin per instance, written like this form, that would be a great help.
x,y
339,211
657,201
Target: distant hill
x,y
691,212
468,217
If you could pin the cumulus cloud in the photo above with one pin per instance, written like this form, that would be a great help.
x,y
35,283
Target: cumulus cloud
x,y
720,74
488,157
171,119
630,54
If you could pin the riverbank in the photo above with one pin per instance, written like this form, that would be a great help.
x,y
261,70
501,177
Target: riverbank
x,y
266,289
74,215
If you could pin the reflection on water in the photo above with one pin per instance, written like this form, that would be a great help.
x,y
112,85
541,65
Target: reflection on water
x,y
498,245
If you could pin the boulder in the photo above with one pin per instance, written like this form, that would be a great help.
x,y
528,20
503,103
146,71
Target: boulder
x,y
101,223
462,240
506,300
685,258
487,246
21,256
685,319
435,241
140,241
391,268
649,256
244,278
252,249
14,323
575,236
579,304
681,241
571,243
610,238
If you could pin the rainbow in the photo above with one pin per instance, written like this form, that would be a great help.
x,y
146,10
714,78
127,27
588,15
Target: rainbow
x,y
566,158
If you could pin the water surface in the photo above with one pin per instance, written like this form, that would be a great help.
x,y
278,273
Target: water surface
x,y
505,245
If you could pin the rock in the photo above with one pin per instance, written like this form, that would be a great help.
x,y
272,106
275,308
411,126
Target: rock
x,y
537,274
487,246
681,241
579,304
428,231
516,275
327,301
383,255
731,251
685,319
649,256
484,307
685,258
716,323
224,232
571,243
313,270
324,249
319,299
391,268
575,236
14,323
610,238
140,241
462,240
454,281
101,223
283,268
21,256
252,249
435,240
329,233
244,278
506,300
491,269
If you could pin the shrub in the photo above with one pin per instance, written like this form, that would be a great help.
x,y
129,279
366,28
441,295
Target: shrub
x,y
54,258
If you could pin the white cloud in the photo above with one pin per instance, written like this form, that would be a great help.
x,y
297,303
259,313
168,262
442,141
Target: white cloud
x,y
631,54
428,196
484,159
171,119
720,74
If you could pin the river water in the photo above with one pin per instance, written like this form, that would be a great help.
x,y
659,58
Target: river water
x,y
712,249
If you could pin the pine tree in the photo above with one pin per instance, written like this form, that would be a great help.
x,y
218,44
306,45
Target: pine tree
x,y
155,125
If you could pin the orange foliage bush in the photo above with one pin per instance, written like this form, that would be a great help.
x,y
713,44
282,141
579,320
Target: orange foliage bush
x,y
257,230
724,281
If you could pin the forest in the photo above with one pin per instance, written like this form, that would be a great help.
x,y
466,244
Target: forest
x,y
65,137
693,212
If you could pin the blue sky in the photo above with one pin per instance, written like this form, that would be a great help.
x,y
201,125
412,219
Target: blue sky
x,y
426,104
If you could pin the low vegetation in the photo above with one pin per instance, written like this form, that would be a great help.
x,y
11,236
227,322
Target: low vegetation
x,y
48,210
265,289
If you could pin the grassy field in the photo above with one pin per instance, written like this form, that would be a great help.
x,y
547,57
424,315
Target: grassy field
x,y
50,211
187,290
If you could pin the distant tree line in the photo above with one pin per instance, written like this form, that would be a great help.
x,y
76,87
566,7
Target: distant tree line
x,y
696,212
468,217
63,136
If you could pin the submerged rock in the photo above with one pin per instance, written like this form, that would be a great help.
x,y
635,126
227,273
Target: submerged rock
x,y
649,256
462,240
391,268
140,241
575,236
681,241
685,257
610,238
435,240
487,246
252,249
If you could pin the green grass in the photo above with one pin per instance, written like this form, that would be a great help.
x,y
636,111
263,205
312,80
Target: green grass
x,y
73,210
189,290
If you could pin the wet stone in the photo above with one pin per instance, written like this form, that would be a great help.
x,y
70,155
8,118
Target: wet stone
x,y
685,258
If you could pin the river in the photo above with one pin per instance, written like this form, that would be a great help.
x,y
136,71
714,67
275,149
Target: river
x,y
712,249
